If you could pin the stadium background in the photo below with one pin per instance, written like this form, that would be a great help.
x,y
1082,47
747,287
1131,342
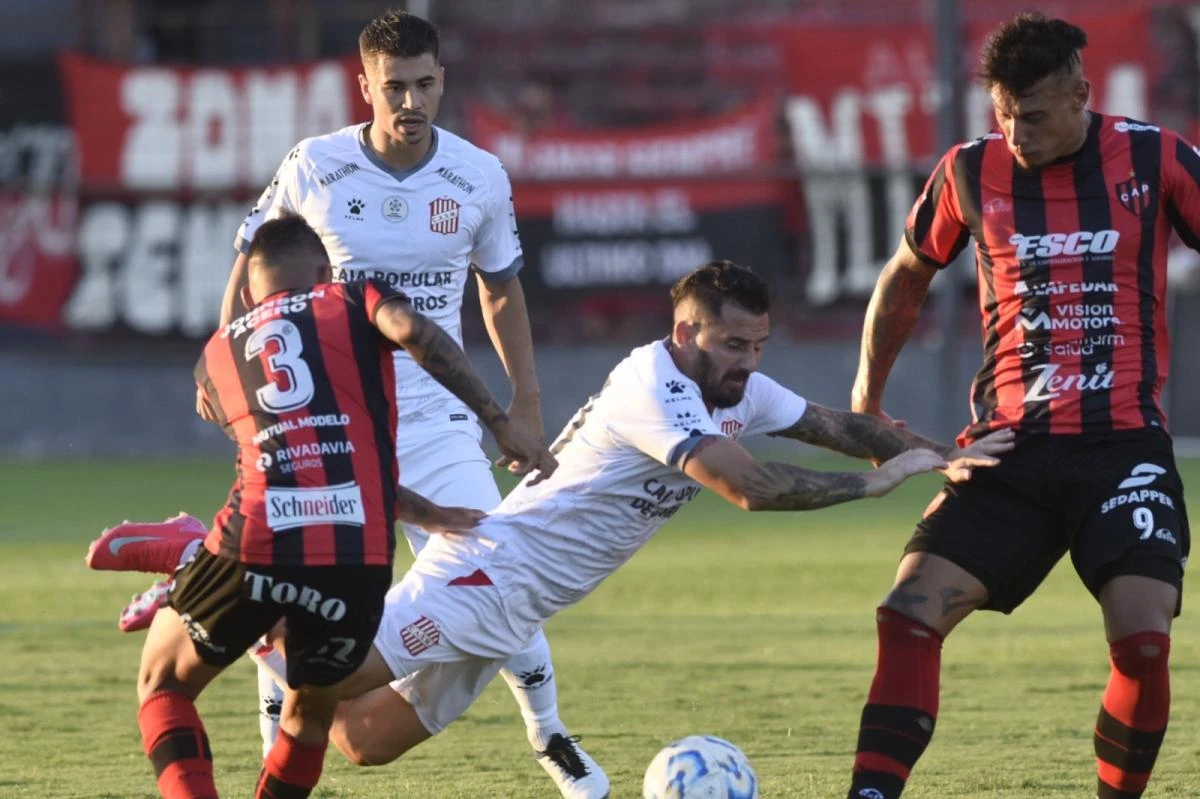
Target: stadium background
x,y
643,137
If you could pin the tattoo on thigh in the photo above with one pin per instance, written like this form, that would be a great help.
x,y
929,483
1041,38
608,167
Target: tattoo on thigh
x,y
954,599
903,599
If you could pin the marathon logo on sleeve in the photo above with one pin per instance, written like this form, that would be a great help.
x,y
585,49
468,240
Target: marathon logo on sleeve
x,y
288,508
456,180
333,177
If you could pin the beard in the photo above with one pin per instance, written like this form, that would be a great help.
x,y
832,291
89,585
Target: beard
x,y
713,386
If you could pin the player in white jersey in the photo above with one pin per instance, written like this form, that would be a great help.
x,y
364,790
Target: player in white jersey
x,y
400,200
665,424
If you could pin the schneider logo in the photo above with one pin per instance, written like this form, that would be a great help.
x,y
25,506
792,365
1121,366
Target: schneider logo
x,y
297,507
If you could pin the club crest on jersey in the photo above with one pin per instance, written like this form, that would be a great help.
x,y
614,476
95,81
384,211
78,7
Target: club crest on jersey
x,y
997,205
395,209
421,635
731,427
1134,195
443,216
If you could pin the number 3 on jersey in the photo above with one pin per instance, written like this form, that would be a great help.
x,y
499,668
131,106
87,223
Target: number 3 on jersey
x,y
291,385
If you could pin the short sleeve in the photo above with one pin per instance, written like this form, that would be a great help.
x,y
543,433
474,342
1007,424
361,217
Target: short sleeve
x,y
1181,181
371,295
282,196
772,406
935,229
497,248
665,419
208,387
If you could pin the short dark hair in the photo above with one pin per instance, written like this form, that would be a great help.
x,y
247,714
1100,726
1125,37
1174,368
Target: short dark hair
x,y
399,34
1031,47
718,282
279,240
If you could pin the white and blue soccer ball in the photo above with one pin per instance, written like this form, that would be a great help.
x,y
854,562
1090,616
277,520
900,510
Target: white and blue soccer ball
x,y
700,767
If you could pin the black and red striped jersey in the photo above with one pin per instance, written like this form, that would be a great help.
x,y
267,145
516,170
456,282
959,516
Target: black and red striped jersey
x,y
305,384
1072,265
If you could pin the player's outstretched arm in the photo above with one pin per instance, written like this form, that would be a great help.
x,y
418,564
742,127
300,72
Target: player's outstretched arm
x,y
724,466
891,314
440,356
861,435
858,435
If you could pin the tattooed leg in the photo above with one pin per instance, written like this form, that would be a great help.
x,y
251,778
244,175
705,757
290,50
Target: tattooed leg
x,y
906,599
934,591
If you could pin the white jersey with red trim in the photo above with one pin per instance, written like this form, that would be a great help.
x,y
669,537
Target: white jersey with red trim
x,y
421,230
619,479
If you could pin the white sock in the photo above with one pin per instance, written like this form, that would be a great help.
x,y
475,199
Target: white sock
x,y
530,676
272,671
189,551
270,704
270,662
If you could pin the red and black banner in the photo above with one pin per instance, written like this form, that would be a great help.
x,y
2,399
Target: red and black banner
x,y
608,218
121,186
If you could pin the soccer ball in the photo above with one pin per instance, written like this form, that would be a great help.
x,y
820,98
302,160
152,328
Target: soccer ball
x,y
700,767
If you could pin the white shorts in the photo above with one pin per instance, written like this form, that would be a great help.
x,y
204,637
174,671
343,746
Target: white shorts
x,y
444,638
445,465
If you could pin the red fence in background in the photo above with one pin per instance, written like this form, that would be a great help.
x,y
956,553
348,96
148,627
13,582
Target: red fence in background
x,y
120,213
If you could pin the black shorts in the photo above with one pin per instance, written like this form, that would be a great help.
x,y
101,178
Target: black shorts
x,y
1114,501
332,612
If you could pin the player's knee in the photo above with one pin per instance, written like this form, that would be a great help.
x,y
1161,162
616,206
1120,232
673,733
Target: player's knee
x,y
154,677
147,684
360,749
1135,604
902,606
941,608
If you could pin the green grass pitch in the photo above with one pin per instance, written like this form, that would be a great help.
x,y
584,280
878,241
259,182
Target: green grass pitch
x,y
754,627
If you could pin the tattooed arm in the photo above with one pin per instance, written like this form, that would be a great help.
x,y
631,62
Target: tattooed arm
x,y
858,435
891,314
439,355
412,508
724,466
861,435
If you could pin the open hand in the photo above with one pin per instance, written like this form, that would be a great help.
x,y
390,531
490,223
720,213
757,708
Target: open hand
x,y
981,452
452,521
895,471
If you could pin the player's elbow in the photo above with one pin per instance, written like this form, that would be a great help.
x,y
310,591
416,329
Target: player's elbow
x,y
400,323
746,500
755,504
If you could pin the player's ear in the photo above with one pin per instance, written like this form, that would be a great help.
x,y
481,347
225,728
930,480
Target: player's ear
x,y
364,86
1083,93
247,297
684,332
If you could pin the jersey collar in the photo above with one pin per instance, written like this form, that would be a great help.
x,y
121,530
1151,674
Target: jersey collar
x,y
382,166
